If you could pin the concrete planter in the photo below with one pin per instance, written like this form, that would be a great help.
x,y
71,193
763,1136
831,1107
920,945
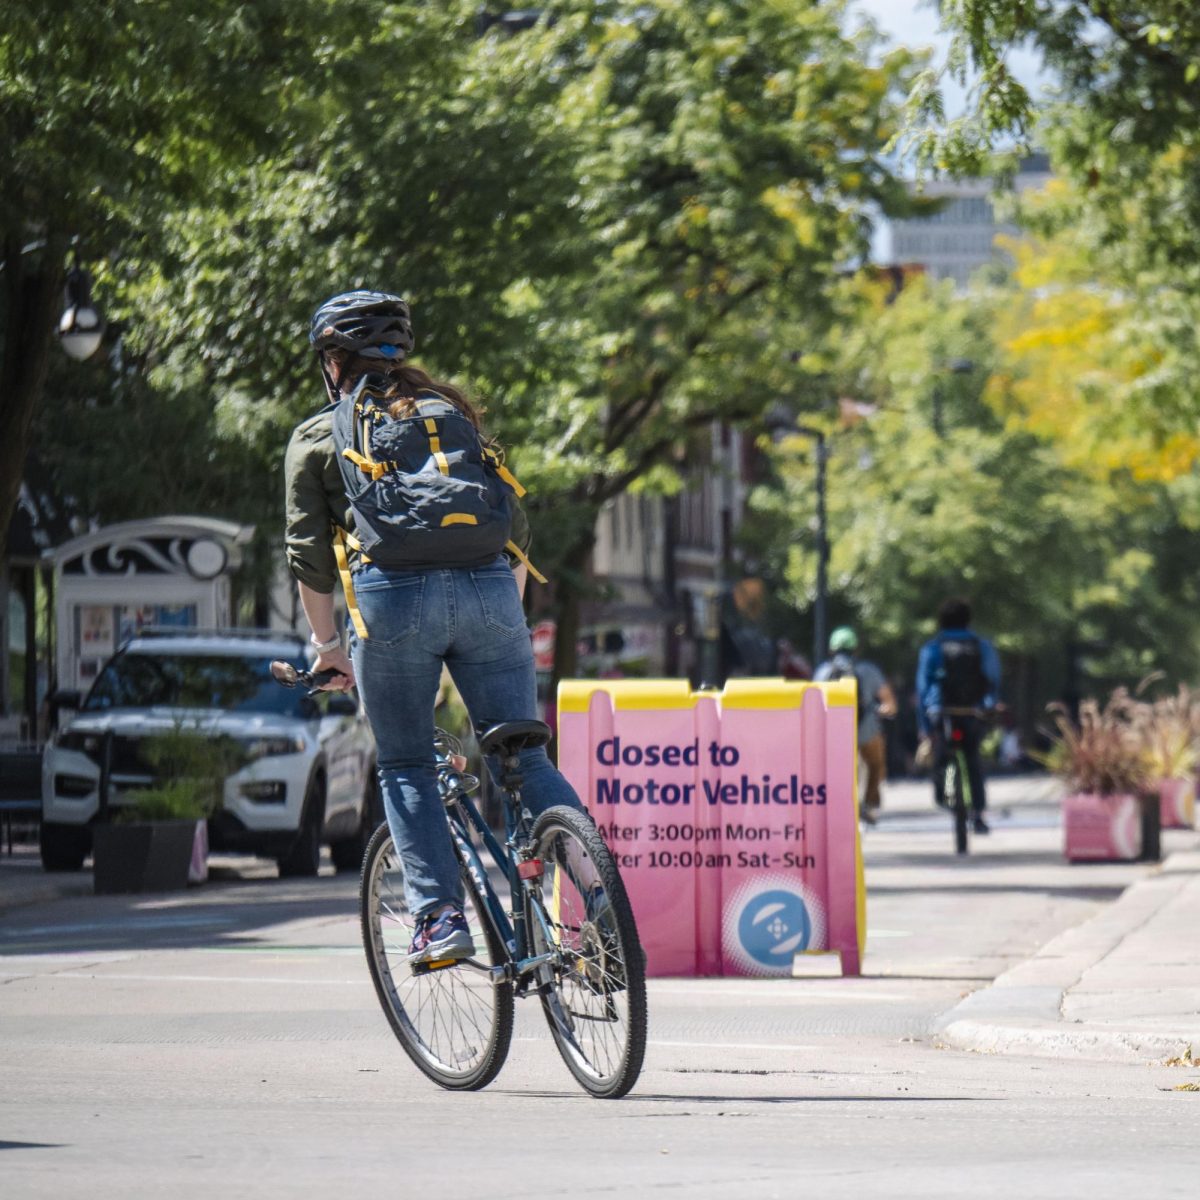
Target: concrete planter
x,y
143,856
1177,803
1102,828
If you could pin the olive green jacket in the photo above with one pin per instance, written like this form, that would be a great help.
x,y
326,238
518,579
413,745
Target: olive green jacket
x,y
316,501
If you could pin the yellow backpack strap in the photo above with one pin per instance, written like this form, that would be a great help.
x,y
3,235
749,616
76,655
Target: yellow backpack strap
x,y
343,562
435,446
501,470
521,556
368,466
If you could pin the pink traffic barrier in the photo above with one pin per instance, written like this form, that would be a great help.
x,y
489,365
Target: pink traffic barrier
x,y
733,817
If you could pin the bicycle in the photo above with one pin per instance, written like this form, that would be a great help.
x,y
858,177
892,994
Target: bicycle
x,y
567,937
956,780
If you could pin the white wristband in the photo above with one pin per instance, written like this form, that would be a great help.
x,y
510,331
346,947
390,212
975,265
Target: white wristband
x,y
334,643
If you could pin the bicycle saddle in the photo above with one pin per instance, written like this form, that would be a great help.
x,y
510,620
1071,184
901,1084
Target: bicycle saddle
x,y
510,737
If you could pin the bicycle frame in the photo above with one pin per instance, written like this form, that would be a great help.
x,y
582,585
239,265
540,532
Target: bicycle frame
x,y
960,802
513,934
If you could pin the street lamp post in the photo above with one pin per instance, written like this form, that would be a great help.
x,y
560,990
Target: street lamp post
x,y
956,366
781,423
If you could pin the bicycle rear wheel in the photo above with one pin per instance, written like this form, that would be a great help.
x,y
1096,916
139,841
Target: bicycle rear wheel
x,y
454,1022
957,767
596,1005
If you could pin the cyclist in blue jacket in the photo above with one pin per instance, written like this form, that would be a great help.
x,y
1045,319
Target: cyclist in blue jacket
x,y
957,669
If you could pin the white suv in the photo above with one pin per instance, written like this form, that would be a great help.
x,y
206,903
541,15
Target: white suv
x,y
310,776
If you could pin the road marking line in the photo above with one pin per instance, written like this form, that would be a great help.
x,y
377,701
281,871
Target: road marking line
x,y
772,1046
101,977
801,992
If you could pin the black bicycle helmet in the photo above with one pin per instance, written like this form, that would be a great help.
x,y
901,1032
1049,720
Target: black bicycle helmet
x,y
370,324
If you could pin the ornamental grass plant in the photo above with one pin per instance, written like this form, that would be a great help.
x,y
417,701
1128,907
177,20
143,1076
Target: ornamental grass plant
x,y
1168,730
1104,752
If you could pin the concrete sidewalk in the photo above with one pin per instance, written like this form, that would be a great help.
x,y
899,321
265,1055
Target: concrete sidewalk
x,y
22,880
1123,986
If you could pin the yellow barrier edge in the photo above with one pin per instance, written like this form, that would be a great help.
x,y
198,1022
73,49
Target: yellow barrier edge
x,y
575,695
860,879
785,693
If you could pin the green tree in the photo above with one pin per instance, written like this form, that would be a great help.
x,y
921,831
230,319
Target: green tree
x,y
1127,70
616,224
728,157
113,113
1052,551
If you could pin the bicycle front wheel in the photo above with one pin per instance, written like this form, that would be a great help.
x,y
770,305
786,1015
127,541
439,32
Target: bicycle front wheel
x,y
596,1005
454,1022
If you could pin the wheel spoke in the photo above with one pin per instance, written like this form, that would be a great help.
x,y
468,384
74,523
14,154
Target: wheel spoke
x,y
594,973
455,1021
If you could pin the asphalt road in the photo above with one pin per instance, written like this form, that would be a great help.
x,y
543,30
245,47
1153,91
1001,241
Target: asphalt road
x,y
228,1039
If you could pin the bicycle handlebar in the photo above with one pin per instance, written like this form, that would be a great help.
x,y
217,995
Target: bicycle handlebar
x,y
446,746
289,677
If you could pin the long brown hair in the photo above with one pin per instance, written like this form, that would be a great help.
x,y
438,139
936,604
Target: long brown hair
x,y
407,382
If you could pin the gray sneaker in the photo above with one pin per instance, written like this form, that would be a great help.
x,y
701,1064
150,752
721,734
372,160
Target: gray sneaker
x,y
442,935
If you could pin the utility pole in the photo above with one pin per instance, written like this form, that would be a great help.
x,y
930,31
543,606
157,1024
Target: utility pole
x,y
820,610
781,423
956,366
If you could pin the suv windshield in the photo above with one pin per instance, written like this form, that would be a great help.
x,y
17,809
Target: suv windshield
x,y
236,683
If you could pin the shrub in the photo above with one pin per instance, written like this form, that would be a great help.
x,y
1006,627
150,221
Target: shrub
x,y
1105,752
190,770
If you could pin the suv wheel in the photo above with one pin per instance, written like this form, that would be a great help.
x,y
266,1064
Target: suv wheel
x,y
303,860
348,853
63,847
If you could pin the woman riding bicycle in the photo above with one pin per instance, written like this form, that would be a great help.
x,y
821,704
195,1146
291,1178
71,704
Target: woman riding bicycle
x,y
450,592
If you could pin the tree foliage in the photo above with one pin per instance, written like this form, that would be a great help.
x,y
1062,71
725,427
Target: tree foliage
x,y
1098,359
1018,505
1127,71
614,225
113,113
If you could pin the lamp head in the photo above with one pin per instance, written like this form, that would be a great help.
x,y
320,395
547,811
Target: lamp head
x,y
81,328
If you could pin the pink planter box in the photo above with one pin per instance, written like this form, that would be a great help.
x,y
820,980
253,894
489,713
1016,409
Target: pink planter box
x,y
1101,828
733,817
1177,798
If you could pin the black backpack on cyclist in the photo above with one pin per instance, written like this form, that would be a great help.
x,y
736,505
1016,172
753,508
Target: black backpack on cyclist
x,y
842,666
964,682
425,489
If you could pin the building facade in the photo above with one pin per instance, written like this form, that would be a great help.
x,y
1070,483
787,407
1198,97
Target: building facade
x,y
960,238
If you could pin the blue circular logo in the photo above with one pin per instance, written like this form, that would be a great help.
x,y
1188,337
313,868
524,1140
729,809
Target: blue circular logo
x,y
773,926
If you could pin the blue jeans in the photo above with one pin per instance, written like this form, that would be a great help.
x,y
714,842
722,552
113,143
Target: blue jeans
x,y
471,620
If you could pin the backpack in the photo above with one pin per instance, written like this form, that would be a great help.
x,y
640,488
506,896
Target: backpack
x,y
964,683
425,490
841,666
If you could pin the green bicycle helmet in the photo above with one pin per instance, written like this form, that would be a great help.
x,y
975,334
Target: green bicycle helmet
x,y
843,640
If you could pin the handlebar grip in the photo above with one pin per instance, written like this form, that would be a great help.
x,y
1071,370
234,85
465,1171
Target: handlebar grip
x,y
318,679
289,676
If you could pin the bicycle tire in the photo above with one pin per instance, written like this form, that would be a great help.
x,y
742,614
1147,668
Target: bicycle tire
x,y
460,1053
596,1004
961,841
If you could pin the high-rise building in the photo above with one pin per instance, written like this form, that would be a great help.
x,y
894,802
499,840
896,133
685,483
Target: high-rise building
x,y
956,241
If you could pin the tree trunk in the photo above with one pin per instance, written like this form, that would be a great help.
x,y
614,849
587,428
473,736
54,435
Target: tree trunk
x,y
568,600
34,286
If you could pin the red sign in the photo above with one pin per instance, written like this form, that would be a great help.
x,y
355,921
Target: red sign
x,y
543,645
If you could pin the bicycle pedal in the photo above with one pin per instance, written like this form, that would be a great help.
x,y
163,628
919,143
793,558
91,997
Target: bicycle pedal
x,y
440,964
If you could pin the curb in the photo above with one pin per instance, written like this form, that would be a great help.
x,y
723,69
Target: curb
x,y
1063,1041
1022,1012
